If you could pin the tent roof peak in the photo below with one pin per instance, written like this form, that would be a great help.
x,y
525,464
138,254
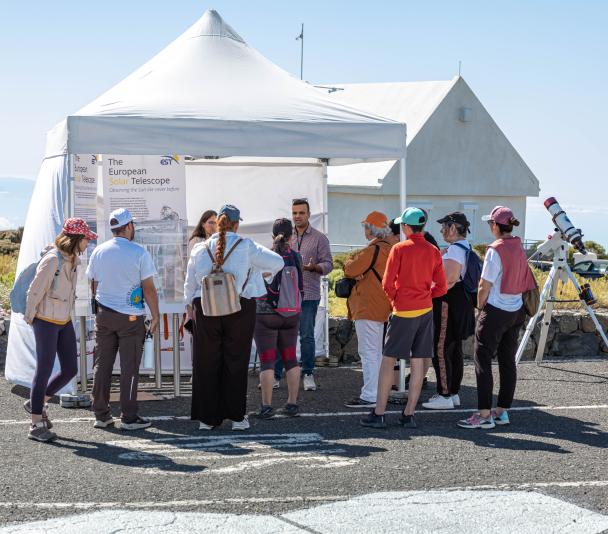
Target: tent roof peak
x,y
211,24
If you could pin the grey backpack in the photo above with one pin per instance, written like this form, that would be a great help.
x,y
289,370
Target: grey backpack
x,y
22,284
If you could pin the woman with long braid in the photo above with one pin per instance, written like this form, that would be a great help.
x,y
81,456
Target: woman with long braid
x,y
223,344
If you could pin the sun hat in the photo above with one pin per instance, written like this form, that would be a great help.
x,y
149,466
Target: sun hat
x,y
456,217
77,226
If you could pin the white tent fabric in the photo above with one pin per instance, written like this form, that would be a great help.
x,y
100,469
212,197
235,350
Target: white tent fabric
x,y
208,93
44,220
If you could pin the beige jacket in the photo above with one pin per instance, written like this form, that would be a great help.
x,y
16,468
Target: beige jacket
x,y
53,304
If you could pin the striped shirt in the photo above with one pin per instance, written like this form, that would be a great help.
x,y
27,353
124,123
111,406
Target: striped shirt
x,y
313,246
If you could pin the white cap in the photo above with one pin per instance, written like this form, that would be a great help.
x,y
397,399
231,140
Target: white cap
x,y
122,215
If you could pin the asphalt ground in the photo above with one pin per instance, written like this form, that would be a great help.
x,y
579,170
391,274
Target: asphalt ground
x,y
557,445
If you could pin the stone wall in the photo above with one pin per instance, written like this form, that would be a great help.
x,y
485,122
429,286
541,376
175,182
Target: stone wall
x,y
571,334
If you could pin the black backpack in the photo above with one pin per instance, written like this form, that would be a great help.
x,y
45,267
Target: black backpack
x,y
472,275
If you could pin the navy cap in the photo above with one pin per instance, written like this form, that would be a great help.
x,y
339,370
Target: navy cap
x,y
230,211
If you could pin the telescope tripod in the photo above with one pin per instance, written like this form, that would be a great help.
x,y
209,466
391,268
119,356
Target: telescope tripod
x,y
560,271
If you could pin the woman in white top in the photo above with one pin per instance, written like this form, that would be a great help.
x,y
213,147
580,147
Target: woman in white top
x,y
223,344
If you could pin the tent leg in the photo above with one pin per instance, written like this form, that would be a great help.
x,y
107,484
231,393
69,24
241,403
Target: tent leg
x,y
402,205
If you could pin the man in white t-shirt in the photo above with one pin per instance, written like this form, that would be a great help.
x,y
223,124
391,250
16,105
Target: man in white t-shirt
x,y
121,274
453,314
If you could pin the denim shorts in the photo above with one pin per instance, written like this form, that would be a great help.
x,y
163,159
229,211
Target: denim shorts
x,y
409,337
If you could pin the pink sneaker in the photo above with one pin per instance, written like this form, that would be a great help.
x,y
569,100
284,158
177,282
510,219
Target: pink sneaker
x,y
476,421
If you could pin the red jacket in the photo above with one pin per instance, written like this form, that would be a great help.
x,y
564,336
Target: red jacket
x,y
414,275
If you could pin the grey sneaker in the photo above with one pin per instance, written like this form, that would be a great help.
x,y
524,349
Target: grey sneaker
x,y
358,402
265,412
41,433
27,406
372,420
136,424
290,410
105,423
407,421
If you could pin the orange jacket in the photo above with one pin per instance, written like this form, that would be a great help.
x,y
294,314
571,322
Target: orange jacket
x,y
367,299
414,275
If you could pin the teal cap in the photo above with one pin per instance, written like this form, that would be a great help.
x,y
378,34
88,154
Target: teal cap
x,y
412,217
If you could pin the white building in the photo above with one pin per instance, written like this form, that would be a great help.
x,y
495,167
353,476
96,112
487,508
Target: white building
x,y
457,159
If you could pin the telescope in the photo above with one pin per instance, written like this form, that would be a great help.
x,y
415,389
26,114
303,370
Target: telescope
x,y
563,224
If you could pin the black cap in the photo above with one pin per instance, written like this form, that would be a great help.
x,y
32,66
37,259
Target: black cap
x,y
282,226
456,217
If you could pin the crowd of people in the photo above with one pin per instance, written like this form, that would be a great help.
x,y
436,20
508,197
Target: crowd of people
x,y
408,299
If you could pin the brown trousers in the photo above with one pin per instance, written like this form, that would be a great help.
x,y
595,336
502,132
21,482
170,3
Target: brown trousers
x,y
117,332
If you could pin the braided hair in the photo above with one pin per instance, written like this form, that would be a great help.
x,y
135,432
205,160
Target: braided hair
x,y
224,225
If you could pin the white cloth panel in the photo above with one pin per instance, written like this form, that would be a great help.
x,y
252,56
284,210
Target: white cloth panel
x,y
263,193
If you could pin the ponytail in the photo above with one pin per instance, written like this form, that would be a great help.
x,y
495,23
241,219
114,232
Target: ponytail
x,y
223,224
280,243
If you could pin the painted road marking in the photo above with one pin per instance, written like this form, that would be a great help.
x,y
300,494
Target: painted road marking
x,y
241,452
406,511
161,418
296,499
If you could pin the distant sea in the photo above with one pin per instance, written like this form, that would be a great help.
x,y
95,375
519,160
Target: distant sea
x,y
15,194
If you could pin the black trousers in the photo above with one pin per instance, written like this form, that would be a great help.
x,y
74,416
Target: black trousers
x,y
447,358
496,334
220,364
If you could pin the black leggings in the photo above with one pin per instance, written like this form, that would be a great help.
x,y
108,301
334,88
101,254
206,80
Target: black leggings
x,y
52,339
496,334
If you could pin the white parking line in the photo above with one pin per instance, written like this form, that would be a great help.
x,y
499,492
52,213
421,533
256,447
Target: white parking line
x,y
160,418
282,498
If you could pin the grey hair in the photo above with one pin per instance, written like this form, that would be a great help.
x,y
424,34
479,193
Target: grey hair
x,y
380,233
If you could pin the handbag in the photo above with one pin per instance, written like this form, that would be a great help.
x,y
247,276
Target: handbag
x,y
344,286
531,299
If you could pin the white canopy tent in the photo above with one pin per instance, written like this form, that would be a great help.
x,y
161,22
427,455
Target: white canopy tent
x,y
208,94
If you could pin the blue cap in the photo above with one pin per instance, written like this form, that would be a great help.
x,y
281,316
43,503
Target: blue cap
x,y
230,211
412,217
122,215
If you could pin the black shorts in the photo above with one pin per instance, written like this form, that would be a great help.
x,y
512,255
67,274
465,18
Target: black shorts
x,y
409,337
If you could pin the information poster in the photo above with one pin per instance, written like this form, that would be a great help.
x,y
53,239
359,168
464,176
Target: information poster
x,y
84,174
153,189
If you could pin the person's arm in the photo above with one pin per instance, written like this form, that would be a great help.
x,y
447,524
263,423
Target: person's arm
x,y
483,292
359,262
325,262
265,260
440,285
452,272
190,284
151,298
390,274
45,272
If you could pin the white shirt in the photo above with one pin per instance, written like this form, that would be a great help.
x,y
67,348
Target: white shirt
x,y
119,266
459,255
248,258
492,272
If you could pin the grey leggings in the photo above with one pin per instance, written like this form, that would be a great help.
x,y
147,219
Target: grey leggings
x,y
52,339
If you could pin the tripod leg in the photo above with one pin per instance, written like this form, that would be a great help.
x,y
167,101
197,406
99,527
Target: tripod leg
x,y
552,282
589,309
532,322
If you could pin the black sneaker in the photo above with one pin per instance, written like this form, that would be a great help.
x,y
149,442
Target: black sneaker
x,y
372,420
407,421
265,412
290,410
358,402
136,424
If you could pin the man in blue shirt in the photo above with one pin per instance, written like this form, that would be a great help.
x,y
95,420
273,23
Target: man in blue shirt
x,y
121,274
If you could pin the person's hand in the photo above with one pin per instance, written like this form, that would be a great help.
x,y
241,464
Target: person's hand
x,y
153,325
310,266
189,311
29,320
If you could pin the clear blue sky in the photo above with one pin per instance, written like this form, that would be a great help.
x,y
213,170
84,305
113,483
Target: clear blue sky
x,y
540,68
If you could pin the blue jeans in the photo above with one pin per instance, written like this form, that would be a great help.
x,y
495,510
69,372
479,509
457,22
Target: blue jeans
x,y
308,318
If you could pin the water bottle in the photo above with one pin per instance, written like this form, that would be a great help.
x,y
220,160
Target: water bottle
x,y
148,351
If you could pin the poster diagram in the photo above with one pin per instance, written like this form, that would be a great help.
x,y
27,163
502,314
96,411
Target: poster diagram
x,y
84,174
153,189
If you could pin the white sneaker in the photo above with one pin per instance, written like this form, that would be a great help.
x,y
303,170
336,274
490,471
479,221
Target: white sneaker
x,y
103,424
438,402
276,385
205,426
309,383
241,425
456,400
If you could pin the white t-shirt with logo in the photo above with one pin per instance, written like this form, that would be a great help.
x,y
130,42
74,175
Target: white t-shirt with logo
x,y
458,254
492,272
119,266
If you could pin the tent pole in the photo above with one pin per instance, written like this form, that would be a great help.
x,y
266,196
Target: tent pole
x,y
325,279
402,205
